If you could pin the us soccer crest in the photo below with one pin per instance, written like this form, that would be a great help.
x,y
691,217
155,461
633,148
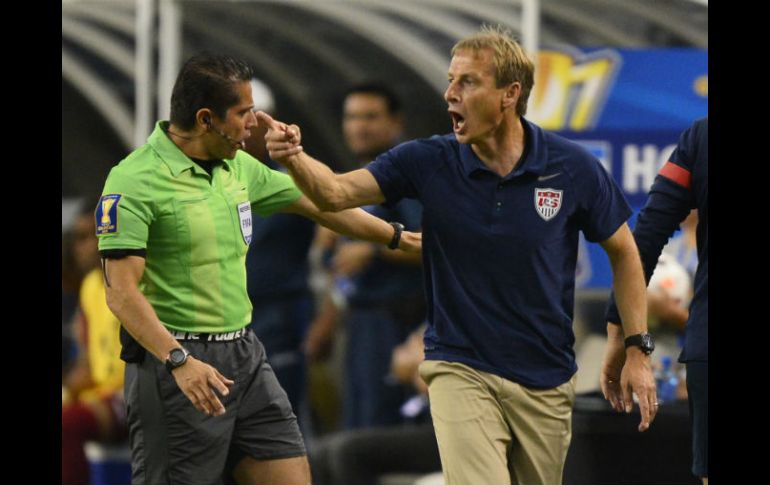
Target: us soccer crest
x,y
548,202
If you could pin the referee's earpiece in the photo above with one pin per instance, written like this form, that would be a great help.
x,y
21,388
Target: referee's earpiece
x,y
207,120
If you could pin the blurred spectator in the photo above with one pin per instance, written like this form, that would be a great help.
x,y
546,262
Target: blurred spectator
x,y
670,289
70,277
277,271
70,284
379,290
79,257
92,391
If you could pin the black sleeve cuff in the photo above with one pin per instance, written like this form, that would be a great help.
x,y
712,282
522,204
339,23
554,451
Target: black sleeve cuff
x,y
122,253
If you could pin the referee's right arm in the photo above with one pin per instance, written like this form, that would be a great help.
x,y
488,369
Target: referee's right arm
x,y
196,379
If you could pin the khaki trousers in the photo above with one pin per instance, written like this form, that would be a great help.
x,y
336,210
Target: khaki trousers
x,y
492,431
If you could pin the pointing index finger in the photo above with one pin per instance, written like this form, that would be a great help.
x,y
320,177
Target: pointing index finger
x,y
271,123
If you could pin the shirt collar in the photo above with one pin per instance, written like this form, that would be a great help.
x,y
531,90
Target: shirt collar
x,y
171,155
535,154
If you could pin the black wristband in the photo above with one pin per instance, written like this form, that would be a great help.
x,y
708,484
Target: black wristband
x,y
644,341
398,228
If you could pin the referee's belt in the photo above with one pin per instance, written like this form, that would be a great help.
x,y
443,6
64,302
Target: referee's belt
x,y
209,337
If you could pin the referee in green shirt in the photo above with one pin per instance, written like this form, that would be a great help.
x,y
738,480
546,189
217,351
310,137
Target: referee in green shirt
x,y
174,225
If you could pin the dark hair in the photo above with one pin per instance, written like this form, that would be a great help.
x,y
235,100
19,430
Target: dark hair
x,y
206,81
391,100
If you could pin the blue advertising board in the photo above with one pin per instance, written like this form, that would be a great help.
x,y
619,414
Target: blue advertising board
x,y
627,107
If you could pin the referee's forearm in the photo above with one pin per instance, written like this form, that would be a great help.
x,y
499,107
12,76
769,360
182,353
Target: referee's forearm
x,y
139,319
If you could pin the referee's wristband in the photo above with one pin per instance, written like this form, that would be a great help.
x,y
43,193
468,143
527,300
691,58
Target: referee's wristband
x,y
398,228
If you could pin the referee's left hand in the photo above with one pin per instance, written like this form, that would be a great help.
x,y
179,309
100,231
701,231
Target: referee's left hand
x,y
197,380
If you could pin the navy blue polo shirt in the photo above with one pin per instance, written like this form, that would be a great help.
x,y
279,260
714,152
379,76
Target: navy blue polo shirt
x,y
681,185
499,254
384,282
277,263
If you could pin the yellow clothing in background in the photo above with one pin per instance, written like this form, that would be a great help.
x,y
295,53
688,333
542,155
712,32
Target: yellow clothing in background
x,y
102,339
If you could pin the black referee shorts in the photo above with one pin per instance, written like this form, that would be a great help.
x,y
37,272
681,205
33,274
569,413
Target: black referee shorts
x,y
172,443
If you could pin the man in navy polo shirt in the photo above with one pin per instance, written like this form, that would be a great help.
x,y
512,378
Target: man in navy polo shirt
x,y
503,202
681,185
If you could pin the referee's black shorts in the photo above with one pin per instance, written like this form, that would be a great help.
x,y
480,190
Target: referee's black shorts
x,y
174,443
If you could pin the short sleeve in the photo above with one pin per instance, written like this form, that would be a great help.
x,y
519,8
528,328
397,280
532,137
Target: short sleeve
x,y
603,208
124,213
394,173
269,190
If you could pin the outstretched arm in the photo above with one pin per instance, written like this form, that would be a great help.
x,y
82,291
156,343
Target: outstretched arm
x,y
356,223
329,191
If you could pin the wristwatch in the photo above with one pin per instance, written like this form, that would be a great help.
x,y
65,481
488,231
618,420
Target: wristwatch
x,y
398,228
642,340
176,358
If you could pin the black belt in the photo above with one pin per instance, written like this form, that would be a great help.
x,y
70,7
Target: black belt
x,y
209,337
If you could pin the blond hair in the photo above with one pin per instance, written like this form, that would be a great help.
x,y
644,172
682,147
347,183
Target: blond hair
x,y
510,61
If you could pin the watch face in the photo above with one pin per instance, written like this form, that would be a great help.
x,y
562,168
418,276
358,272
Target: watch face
x,y
644,341
176,356
648,344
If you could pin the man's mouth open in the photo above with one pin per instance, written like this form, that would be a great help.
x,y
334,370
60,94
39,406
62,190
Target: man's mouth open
x,y
458,122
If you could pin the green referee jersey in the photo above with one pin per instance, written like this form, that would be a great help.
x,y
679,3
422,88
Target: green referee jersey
x,y
195,228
